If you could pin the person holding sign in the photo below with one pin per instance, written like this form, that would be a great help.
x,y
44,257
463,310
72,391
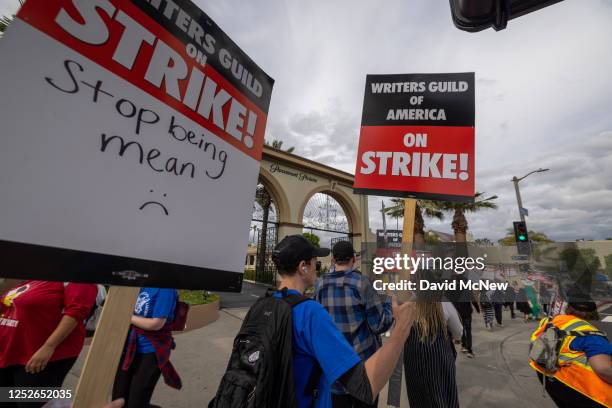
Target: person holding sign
x,y
358,310
42,332
148,346
317,342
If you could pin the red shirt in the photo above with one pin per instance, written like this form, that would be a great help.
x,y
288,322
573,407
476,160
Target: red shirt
x,y
31,312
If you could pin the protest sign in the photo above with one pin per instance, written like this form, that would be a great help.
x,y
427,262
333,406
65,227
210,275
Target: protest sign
x,y
417,137
388,238
131,145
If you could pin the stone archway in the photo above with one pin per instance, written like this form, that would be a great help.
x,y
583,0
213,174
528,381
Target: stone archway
x,y
349,208
278,195
292,180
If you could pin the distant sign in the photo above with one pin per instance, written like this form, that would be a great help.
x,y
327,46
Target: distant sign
x,y
393,239
131,142
417,137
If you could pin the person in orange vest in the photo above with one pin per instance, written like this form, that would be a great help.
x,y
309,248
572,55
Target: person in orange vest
x,y
582,373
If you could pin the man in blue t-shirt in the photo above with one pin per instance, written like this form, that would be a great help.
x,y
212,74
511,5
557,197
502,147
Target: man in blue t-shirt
x,y
154,308
316,339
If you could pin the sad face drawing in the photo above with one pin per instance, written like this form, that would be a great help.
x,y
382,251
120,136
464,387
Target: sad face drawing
x,y
155,204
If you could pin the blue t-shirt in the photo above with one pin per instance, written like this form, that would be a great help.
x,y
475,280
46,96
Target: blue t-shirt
x,y
317,339
152,303
592,345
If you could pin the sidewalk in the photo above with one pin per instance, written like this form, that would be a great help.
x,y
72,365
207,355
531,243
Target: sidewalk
x,y
499,376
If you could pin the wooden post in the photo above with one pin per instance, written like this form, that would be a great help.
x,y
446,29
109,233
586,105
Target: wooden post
x,y
408,230
98,374
407,240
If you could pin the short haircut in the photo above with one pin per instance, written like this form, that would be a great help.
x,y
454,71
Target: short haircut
x,y
287,268
343,262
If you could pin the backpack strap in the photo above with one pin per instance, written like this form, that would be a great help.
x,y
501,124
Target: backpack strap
x,y
312,385
577,333
295,300
291,299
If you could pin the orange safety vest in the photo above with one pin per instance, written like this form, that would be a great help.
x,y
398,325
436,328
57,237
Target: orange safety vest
x,y
574,369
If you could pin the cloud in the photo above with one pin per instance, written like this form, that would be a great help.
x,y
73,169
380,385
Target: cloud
x,y
543,93
8,7
571,200
542,99
329,136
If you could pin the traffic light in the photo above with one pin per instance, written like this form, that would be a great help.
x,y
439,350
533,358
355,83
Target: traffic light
x,y
477,15
522,237
520,231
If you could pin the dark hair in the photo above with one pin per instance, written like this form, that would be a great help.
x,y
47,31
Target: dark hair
x,y
589,316
287,268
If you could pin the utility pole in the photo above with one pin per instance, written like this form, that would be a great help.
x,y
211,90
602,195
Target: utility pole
x,y
518,198
519,201
516,180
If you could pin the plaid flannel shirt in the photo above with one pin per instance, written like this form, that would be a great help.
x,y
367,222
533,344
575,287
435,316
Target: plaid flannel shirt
x,y
357,309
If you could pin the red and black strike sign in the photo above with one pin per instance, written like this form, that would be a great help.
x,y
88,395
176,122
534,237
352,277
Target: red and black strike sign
x,y
417,137
171,50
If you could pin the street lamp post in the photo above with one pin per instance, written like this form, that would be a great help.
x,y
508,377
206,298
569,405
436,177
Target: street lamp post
x,y
516,180
518,198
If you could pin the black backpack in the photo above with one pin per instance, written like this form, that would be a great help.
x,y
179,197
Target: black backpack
x,y
260,369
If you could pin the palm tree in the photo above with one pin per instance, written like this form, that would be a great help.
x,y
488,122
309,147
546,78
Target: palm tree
x,y
431,208
483,241
431,238
5,21
278,144
460,224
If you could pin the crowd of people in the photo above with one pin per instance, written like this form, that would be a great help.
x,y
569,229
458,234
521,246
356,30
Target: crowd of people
x,y
335,353
430,327
43,330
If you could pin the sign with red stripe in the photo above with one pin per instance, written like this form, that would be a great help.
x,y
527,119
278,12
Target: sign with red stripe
x,y
417,137
134,132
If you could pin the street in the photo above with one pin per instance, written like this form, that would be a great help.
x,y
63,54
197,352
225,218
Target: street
x,y
498,376
250,293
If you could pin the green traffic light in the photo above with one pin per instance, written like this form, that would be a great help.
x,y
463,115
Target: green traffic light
x,y
521,237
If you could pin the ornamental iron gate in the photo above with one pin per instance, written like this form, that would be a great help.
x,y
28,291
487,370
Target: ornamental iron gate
x,y
266,275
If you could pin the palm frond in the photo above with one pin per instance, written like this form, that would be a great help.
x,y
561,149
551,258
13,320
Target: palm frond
x,y
430,208
278,144
5,21
397,209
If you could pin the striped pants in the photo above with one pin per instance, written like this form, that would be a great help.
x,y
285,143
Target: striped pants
x,y
487,312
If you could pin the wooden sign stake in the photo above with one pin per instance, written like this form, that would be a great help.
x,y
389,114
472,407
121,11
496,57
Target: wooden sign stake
x,y
98,374
407,240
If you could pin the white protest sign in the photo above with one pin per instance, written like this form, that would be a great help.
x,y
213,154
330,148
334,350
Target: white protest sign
x,y
132,135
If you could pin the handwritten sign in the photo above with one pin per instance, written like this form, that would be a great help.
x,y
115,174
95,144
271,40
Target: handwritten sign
x,y
131,145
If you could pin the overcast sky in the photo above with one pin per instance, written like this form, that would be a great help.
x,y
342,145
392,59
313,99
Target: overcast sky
x,y
543,94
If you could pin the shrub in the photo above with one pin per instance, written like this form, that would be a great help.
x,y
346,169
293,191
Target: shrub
x,y
197,297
